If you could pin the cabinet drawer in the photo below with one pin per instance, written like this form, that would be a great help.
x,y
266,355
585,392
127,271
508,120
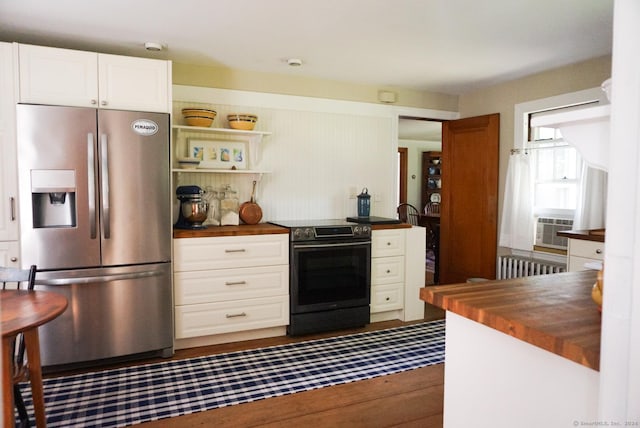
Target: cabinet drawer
x,y
387,270
205,286
190,254
386,297
588,249
387,243
227,317
577,263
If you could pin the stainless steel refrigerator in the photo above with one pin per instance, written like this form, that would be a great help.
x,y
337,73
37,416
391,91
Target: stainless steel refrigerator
x,y
95,218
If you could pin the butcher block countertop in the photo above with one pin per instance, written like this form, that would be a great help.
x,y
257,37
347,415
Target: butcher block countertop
x,y
242,230
553,312
256,229
596,235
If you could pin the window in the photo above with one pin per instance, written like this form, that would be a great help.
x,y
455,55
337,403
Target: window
x,y
556,173
549,195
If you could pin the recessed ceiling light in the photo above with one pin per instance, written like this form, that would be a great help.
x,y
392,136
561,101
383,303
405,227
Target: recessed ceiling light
x,y
294,62
153,46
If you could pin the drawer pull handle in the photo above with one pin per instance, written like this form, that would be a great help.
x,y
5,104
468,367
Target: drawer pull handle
x,y
388,271
239,250
387,299
388,243
241,314
598,251
235,282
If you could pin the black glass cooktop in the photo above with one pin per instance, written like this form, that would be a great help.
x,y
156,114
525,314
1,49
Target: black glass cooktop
x,y
373,220
312,223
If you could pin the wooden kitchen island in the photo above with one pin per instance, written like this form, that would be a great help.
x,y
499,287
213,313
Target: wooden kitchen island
x,y
520,352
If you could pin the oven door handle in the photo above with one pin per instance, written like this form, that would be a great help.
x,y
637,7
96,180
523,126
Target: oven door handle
x,y
342,244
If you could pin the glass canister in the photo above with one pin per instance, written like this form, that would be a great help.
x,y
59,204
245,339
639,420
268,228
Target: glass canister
x,y
229,208
211,195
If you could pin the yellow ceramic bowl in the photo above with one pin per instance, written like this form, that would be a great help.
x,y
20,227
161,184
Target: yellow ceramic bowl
x,y
245,122
199,112
198,121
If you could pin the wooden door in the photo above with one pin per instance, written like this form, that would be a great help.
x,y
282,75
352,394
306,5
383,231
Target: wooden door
x,y
469,211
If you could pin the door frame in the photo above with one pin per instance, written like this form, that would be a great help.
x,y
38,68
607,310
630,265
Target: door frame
x,y
403,159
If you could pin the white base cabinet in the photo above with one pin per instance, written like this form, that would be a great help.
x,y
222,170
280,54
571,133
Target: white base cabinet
x,y
230,284
87,79
397,274
581,252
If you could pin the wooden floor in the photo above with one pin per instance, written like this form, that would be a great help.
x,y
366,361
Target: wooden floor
x,y
409,399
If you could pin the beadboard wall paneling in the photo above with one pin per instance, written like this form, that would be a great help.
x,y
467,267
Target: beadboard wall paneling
x,y
317,155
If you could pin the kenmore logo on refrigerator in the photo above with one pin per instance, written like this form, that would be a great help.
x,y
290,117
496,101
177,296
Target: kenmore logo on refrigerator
x,y
144,127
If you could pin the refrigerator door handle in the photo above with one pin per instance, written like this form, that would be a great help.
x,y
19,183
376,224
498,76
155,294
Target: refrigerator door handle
x,y
91,178
99,278
106,220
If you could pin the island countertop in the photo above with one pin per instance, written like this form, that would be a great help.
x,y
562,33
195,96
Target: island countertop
x,y
552,312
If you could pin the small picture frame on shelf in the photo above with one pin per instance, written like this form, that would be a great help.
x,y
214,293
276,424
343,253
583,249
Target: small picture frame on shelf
x,y
215,154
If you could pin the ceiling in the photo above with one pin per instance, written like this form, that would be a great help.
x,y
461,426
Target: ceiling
x,y
446,46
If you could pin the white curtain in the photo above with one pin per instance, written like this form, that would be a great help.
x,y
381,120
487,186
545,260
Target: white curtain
x,y
516,227
592,199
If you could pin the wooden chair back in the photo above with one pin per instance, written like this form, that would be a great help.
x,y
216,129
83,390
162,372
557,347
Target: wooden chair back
x,y
407,213
19,279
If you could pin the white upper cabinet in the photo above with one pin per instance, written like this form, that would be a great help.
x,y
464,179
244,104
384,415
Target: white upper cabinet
x,y
58,76
128,83
87,79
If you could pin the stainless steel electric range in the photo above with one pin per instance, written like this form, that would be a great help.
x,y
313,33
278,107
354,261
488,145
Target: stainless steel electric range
x,y
329,275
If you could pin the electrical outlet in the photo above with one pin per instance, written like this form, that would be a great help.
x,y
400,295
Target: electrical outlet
x,y
353,192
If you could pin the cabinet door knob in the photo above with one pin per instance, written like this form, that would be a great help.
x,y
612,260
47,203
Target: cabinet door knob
x,y
103,103
598,251
14,259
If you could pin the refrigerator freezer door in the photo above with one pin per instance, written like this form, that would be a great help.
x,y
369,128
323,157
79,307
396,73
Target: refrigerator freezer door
x,y
57,173
135,198
112,312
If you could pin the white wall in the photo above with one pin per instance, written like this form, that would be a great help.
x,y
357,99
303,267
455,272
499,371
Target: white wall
x,y
320,151
620,365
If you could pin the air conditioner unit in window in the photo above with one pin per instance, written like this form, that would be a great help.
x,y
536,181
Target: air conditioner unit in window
x,y
547,229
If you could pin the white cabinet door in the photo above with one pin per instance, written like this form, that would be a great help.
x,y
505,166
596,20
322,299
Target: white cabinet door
x,y
9,254
128,83
58,76
87,79
8,161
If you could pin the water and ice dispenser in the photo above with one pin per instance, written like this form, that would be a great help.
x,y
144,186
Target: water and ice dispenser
x,y
53,197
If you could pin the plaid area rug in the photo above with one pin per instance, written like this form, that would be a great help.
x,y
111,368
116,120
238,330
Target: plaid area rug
x,y
132,395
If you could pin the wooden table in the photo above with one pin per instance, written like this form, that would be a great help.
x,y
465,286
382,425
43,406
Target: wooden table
x,y
24,311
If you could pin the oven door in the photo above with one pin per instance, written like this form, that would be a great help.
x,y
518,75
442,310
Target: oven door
x,y
328,275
